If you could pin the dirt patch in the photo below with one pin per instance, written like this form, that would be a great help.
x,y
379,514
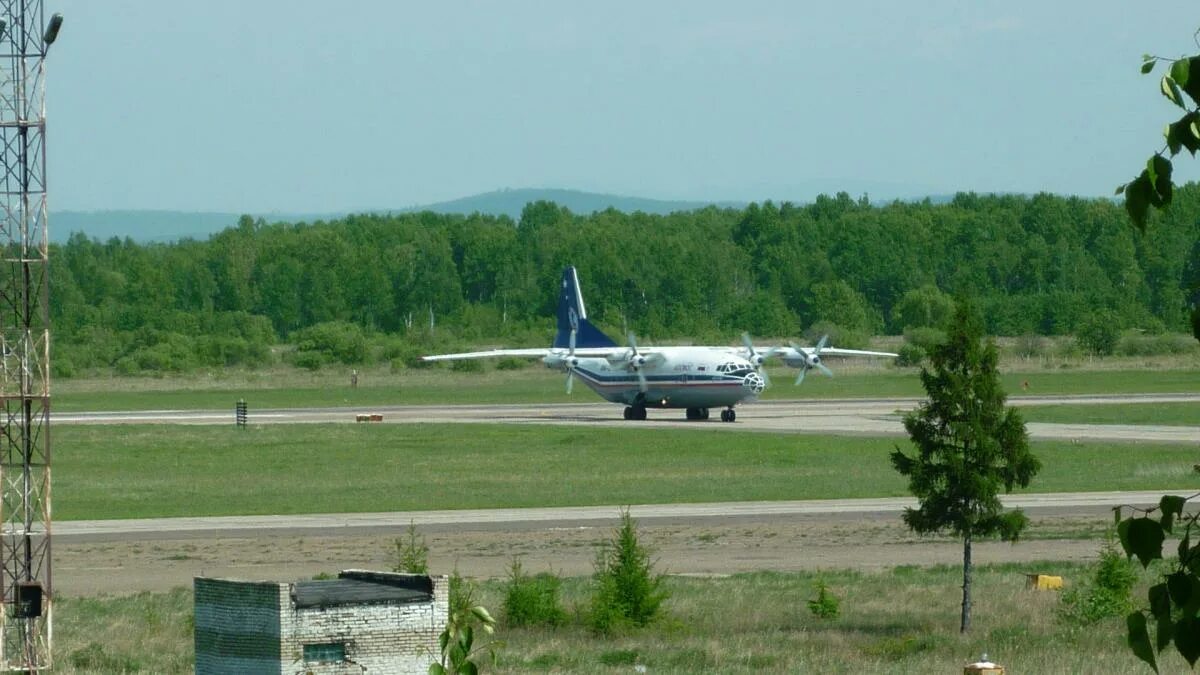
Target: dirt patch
x,y
720,546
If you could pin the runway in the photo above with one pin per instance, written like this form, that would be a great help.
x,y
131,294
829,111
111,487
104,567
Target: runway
x,y
98,557
574,516
879,417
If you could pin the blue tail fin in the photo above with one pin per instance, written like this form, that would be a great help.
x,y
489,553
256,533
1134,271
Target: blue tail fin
x,y
571,314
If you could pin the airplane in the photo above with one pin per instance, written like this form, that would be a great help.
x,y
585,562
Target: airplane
x,y
693,378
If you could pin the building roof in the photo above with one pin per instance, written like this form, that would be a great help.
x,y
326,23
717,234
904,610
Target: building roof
x,y
363,588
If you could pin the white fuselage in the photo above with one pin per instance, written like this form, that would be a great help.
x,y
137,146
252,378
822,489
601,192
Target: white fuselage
x,y
675,377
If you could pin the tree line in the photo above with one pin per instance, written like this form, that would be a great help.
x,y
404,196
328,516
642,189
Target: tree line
x,y
1041,264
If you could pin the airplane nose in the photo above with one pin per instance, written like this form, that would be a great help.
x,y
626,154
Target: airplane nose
x,y
754,382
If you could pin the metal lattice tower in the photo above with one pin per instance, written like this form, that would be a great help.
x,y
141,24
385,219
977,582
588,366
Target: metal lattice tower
x,y
25,589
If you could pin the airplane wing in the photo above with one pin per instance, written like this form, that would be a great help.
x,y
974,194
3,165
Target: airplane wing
x,y
584,353
834,351
793,353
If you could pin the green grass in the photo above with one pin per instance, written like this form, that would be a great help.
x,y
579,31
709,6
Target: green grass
x,y
132,471
1169,414
903,620
290,388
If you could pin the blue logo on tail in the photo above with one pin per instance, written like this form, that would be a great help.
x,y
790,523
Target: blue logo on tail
x,y
573,316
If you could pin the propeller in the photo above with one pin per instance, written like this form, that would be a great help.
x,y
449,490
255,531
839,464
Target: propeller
x,y
758,358
812,360
636,362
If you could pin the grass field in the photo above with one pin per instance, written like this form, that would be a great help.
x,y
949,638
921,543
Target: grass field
x,y
133,471
1170,414
900,621
282,388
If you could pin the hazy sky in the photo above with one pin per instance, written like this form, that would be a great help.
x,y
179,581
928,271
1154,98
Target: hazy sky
x,y
305,106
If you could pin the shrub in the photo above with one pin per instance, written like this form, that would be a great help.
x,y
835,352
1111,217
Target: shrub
x,y
338,340
825,605
1099,333
467,366
532,600
412,553
1108,594
627,590
309,359
926,338
1030,346
846,338
1155,345
511,363
910,355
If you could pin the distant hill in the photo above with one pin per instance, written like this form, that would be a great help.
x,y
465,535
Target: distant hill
x,y
510,202
165,226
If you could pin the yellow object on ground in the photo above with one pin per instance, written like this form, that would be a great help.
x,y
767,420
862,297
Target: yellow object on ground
x,y
1045,582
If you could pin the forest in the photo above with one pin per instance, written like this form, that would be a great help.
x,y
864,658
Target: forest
x,y
386,286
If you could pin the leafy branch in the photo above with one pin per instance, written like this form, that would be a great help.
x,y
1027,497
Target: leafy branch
x,y
1174,603
1153,186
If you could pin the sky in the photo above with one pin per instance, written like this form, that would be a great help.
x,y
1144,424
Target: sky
x,y
305,106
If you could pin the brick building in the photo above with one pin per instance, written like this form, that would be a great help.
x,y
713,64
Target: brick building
x,y
361,622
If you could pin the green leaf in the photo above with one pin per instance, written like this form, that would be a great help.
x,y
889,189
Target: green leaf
x,y
1123,536
1148,66
1194,128
1187,639
1171,506
481,613
1145,540
437,669
1139,639
444,639
1118,191
1171,91
1137,200
1160,195
1179,585
466,639
1179,72
1160,607
1192,85
469,668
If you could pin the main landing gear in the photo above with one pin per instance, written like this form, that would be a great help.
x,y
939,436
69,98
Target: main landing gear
x,y
697,413
728,415
637,412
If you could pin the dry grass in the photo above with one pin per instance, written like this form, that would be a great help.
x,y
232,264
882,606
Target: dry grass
x,y
903,620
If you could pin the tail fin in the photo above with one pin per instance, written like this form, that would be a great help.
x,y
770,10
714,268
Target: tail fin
x,y
573,316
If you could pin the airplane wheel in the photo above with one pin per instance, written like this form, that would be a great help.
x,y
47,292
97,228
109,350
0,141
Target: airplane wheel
x,y
628,413
728,415
696,413
639,413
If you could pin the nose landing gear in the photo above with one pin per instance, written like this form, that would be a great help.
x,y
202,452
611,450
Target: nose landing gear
x,y
697,413
635,412
728,415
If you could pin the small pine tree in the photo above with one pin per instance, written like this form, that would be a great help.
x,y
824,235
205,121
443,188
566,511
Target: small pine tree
x,y
412,553
969,446
627,589
826,604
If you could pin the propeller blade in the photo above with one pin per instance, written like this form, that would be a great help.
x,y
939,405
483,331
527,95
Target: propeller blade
x,y
570,378
825,370
641,380
766,378
821,344
572,342
800,377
